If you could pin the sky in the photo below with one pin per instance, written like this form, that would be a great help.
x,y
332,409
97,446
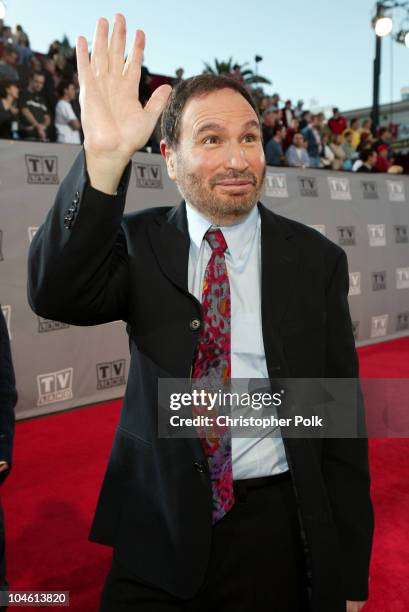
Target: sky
x,y
320,51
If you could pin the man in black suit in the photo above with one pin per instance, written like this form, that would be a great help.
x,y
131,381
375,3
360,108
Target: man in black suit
x,y
185,535
8,400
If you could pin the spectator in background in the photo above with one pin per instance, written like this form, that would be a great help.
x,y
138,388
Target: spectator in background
x,y
50,84
275,101
291,130
8,64
382,163
54,48
337,123
305,119
296,154
350,153
355,130
384,137
298,109
179,76
144,86
34,113
8,400
67,123
274,148
339,154
320,123
313,140
21,37
288,113
270,118
6,36
262,104
366,129
327,157
9,91
368,161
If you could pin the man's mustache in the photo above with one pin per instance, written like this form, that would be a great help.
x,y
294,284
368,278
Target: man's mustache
x,y
248,176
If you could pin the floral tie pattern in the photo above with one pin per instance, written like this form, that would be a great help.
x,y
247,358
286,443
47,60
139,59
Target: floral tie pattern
x,y
212,369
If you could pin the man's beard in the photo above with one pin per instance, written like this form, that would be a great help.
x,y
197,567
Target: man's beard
x,y
201,195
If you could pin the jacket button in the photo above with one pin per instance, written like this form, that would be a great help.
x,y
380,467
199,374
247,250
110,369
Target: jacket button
x,y
195,324
200,467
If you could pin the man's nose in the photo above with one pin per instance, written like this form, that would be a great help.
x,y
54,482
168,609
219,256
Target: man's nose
x,y
236,157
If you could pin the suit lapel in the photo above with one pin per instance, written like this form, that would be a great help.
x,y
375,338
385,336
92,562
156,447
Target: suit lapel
x,y
279,260
170,241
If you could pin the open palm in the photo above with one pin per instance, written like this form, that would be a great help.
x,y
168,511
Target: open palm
x,y
114,123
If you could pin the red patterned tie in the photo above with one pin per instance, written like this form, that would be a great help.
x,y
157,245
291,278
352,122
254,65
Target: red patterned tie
x,y
212,367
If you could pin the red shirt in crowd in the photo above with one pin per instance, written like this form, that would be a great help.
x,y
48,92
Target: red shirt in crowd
x,y
337,126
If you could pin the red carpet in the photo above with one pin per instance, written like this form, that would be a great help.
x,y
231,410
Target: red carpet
x,y
59,464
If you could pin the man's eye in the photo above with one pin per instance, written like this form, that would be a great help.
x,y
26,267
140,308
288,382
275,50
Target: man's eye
x,y
210,140
250,138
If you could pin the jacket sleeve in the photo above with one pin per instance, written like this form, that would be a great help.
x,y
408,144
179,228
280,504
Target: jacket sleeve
x,y
78,259
345,460
8,397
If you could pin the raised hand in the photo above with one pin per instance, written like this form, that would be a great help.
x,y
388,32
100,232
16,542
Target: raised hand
x,y
114,123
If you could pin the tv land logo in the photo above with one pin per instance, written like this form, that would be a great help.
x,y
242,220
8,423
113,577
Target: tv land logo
x,y
148,176
355,329
339,188
111,374
379,280
354,283
308,186
46,325
1,245
32,230
396,191
6,309
401,234
402,321
369,190
377,235
276,186
42,169
320,228
346,235
55,386
402,278
379,326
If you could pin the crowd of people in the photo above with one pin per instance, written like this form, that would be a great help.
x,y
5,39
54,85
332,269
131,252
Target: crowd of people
x,y
299,138
39,100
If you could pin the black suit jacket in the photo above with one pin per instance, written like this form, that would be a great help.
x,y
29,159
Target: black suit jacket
x,y
91,264
8,398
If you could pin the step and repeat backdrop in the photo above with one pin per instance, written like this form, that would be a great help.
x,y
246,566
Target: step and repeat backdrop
x,y
60,366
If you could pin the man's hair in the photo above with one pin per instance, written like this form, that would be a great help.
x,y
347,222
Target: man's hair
x,y
365,154
277,128
195,87
5,83
62,86
37,73
353,120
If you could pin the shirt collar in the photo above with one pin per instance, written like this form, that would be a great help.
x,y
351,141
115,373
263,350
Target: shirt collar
x,y
237,236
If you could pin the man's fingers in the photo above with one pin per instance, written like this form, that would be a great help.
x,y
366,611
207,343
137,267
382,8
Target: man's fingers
x,y
117,45
82,57
99,55
132,68
157,101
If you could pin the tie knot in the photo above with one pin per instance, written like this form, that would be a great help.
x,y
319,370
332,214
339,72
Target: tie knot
x,y
216,240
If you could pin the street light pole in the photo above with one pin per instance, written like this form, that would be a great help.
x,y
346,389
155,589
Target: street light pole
x,y
376,73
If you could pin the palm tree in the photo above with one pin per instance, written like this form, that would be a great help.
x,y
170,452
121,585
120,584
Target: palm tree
x,y
248,75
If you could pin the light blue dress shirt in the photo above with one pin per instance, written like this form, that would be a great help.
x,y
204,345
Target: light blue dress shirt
x,y
252,457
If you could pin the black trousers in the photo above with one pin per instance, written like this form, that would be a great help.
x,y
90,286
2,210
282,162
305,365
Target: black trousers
x,y
256,562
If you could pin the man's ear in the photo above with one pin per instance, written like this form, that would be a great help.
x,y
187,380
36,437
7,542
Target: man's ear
x,y
169,155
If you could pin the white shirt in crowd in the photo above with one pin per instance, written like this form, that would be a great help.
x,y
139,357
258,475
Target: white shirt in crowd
x,y
63,115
